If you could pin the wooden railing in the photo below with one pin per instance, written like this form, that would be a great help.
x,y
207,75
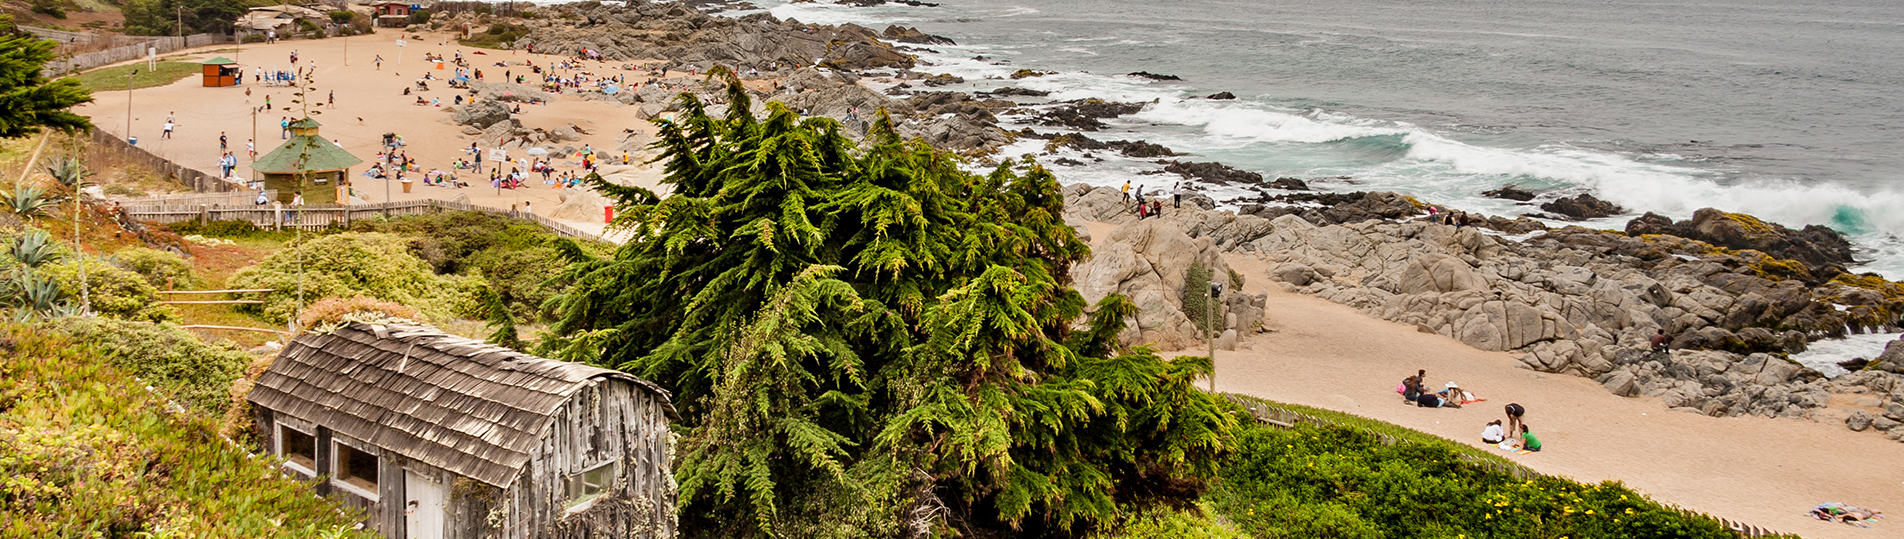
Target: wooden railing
x,y
191,201
1269,413
331,215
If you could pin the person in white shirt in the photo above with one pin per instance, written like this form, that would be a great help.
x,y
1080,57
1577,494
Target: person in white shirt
x,y
1493,434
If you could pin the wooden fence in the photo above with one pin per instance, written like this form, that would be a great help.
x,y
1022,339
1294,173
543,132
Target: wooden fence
x,y
164,44
192,201
1271,414
191,177
330,215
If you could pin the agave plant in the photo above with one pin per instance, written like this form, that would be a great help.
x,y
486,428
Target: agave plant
x,y
27,202
33,248
35,296
71,174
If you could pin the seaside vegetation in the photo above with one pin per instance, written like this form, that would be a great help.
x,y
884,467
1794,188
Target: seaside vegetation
x,y
88,452
879,343
350,264
27,100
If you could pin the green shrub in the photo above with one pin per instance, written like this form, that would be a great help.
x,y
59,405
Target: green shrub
x,y
171,360
87,452
163,269
342,16
254,38
375,265
515,256
1343,482
111,291
1194,523
226,229
1196,294
420,17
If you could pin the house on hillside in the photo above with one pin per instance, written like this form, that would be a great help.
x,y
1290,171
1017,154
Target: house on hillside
x,y
392,14
281,18
441,437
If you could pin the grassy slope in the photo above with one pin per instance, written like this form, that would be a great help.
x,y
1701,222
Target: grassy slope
x,y
114,78
86,451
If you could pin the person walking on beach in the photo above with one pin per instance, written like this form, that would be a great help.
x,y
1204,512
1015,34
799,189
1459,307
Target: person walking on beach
x,y
284,127
332,100
168,130
251,149
1127,191
379,62
267,102
1176,195
221,141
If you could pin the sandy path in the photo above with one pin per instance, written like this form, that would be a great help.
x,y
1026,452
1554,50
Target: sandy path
x,y
1758,470
369,103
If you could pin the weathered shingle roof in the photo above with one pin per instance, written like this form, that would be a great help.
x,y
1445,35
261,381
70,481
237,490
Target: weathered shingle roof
x,y
455,403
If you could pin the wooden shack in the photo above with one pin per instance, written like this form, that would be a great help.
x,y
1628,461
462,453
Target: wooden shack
x,y
441,437
308,164
222,71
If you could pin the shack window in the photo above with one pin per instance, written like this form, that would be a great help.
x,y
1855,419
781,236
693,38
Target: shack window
x,y
583,488
356,469
298,449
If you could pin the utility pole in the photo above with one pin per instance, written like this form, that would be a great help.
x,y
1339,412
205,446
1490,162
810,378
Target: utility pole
x,y
180,10
134,73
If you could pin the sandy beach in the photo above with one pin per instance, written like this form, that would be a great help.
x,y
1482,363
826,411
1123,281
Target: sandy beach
x,y
1763,471
369,102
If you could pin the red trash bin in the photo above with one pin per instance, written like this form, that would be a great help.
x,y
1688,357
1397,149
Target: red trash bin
x,y
608,214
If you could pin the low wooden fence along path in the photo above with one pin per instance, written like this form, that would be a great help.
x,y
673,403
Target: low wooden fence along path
x,y
1271,414
329,215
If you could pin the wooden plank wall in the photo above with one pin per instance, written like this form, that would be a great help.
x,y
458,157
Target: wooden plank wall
x,y
611,420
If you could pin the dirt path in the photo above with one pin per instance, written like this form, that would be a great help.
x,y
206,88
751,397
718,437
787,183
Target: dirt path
x,y
1763,471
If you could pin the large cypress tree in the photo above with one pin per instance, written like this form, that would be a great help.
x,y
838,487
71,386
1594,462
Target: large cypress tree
x,y
27,100
878,343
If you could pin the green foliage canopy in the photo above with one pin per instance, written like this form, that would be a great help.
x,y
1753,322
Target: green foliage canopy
x,y
27,100
162,17
877,342
373,264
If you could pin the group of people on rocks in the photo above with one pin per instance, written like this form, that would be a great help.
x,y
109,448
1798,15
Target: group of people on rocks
x,y
1153,206
1515,435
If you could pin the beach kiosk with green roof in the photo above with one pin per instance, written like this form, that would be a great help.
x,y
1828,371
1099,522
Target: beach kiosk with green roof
x,y
221,71
323,178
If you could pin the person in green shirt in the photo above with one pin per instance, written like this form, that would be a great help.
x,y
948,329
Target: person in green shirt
x,y
1528,441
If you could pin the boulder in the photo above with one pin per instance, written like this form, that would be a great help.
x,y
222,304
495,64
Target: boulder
x,y
1221,96
481,114
1858,421
1892,360
1823,250
1146,260
1894,411
1622,383
1583,206
581,205
1439,273
1294,273
904,34
1510,192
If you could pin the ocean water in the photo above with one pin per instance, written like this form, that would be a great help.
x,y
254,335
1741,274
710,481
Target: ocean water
x,y
1793,112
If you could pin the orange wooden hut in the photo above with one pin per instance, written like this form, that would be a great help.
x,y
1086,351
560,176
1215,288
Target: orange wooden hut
x,y
221,71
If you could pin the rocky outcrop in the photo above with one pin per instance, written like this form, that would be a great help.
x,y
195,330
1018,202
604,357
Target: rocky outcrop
x,y
1582,206
644,30
1824,251
1510,192
1220,96
1016,91
1086,114
1217,173
1224,229
904,34
1892,360
1079,141
481,114
1146,261
1155,76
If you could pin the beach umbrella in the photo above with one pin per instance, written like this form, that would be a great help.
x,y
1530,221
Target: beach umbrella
x,y
538,151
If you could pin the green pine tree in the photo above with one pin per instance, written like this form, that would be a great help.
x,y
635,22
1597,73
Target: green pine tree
x,y
876,342
27,100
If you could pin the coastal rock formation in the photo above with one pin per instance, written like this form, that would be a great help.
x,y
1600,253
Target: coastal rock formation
x,y
1221,96
644,30
1510,192
904,34
1146,261
1582,206
1823,251
1086,114
1892,360
481,114
1224,229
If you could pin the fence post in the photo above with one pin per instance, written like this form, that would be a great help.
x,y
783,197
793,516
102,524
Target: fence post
x,y
204,215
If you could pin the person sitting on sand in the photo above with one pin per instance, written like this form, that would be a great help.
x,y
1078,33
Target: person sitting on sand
x,y
1528,441
1431,400
1411,386
1456,395
1493,434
